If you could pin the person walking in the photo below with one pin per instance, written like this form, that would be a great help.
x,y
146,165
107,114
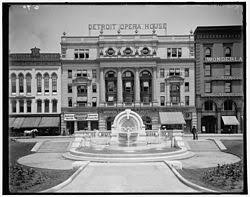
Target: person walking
x,y
195,133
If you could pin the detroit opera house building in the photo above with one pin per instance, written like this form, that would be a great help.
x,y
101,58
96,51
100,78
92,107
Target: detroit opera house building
x,y
151,74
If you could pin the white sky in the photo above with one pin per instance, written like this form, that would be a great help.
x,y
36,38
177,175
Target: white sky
x,y
43,27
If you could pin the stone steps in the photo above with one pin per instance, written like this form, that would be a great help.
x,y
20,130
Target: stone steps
x,y
53,147
203,146
178,155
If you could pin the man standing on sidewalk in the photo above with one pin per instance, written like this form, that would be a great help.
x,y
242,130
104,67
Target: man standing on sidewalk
x,y
194,132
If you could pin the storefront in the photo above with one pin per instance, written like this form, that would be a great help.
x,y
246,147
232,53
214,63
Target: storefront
x,y
80,121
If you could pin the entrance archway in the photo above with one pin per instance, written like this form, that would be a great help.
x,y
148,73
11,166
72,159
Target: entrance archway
x,y
208,124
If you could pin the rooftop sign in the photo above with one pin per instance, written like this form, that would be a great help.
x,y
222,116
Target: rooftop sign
x,y
128,27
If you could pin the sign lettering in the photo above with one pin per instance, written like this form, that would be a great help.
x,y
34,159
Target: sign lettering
x,y
69,117
99,27
223,59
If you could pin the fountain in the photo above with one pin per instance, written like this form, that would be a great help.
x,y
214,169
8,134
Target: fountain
x,y
128,141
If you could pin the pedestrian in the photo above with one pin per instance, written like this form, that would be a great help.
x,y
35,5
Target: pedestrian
x,y
195,133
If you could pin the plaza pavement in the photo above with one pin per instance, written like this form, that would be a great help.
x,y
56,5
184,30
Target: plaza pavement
x,y
137,177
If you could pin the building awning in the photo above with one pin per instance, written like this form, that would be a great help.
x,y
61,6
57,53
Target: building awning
x,y
31,122
49,122
11,121
230,120
18,122
171,118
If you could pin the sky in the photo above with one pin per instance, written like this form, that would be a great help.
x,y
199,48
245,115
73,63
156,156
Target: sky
x,y
43,25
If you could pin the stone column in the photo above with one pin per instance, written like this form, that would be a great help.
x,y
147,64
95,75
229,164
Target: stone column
x,y
119,88
102,89
17,106
199,120
43,106
89,125
219,120
154,92
74,95
25,106
168,94
75,126
137,87
50,106
239,119
182,91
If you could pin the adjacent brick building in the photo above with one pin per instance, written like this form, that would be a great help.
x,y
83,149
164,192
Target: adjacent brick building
x,y
219,78
35,91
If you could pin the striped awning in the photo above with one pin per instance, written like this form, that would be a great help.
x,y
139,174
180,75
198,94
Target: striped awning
x,y
18,122
49,122
31,122
230,120
171,118
11,121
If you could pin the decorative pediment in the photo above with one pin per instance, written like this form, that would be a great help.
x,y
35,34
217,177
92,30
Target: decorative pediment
x,y
173,79
80,80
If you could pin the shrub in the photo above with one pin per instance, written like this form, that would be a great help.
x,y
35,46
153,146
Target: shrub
x,y
225,175
21,178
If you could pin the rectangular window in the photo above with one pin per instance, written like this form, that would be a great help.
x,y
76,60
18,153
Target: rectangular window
x,y
39,84
94,102
69,74
174,52
227,70
207,87
39,106
54,106
111,86
46,106
84,73
171,72
70,101
186,72
21,106
94,88
162,87
13,103
187,100
162,100
70,88
169,52
28,106
186,86
162,74
207,70
179,52
227,87
177,71
94,73
21,84
79,73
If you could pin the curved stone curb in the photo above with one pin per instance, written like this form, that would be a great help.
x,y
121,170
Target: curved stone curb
x,y
37,146
69,180
188,183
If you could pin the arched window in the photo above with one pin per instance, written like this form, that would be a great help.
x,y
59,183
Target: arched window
x,y
39,82
208,105
228,52
28,83
208,52
20,77
13,83
46,82
39,106
228,105
54,82
46,106
54,105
